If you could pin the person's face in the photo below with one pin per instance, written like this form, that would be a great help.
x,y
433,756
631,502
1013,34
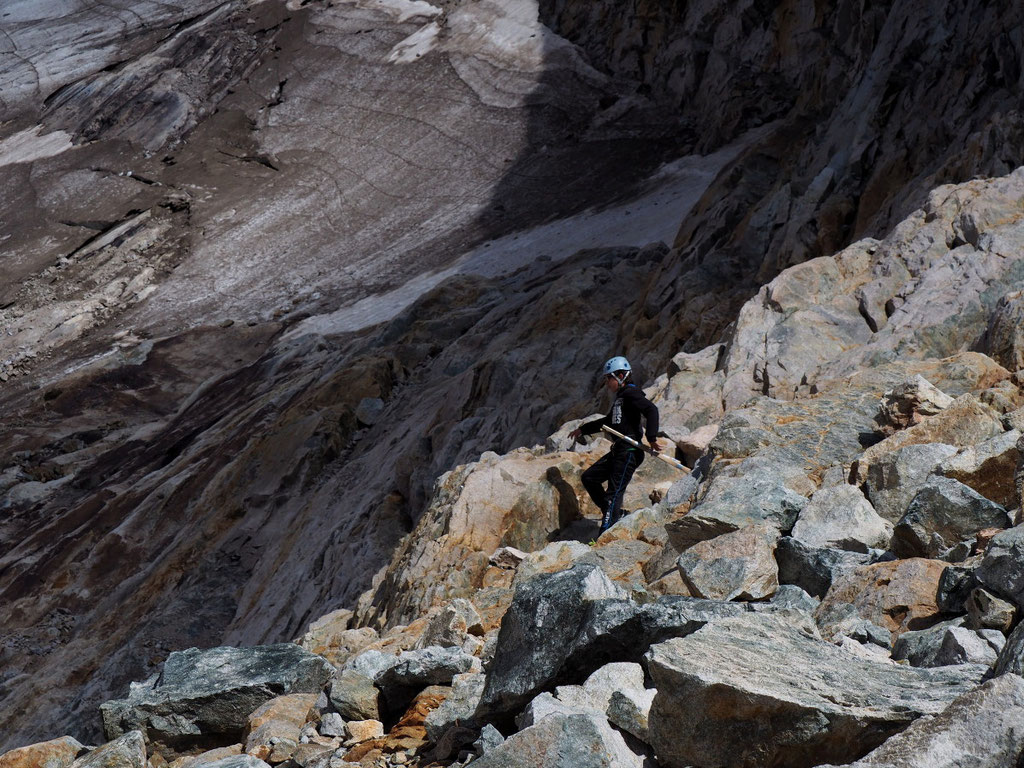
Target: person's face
x,y
611,382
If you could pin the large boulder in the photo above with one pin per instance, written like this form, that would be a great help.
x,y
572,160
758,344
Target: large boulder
x,y
756,691
812,569
563,626
355,696
275,727
732,502
1004,338
127,751
202,698
988,467
738,565
1002,568
910,402
943,519
563,741
897,595
982,728
967,646
841,518
1011,657
893,479
56,753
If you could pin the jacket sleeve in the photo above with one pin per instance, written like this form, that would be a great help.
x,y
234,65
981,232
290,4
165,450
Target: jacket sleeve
x,y
650,414
593,426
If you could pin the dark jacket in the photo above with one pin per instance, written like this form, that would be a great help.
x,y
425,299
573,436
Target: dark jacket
x,y
629,405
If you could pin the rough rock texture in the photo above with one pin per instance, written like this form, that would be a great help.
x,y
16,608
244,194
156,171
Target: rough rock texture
x,y
203,698
909,404
563,741
1002,568
814,570
166,165
56,753
127,751
943,516
981,728
744,692
894,478
734,565
988,468
920,648
841,518
897,595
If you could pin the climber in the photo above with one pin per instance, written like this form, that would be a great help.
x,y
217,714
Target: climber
x,y
617,466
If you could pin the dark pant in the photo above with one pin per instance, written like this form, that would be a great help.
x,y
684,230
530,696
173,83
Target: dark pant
x,y
615,468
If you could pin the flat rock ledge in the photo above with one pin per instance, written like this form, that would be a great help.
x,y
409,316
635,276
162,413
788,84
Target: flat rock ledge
x,y
755,691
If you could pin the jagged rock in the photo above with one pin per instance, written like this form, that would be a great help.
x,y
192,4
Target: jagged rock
x,y
1002,568
332,724
1004,339
731,503
211,755
371,663
942,518
987,467
955,586
841,518
966,422
546,704
986,611
56,753
204,697
845,623
690,394
967,646
490,738
910,403
459,707
127,751
893,479
449,626
507,557
724,690
897,595
630,711
622,560
920,648
358,731
982,728
578,740
795,598
593,696
556,556
418,669
739,565
276,722
814,570
330,637
696,443
563,626
1011,657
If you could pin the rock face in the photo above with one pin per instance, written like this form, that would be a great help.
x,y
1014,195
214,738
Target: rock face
x,y
981,727
202,698
742,692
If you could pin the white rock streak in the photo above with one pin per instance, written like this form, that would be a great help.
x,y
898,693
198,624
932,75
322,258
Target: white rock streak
x,y
31,144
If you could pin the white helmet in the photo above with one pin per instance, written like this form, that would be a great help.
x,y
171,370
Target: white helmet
x,y
616,364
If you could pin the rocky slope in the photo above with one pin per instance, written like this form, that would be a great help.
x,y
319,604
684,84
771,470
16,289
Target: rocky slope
x,y
185,184
837,581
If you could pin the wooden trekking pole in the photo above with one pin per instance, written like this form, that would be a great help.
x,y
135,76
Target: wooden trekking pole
x,y
667,459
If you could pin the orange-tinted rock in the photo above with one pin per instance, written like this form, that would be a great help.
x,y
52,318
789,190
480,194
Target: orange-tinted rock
x,y
57,753
195,761
274,728
898,595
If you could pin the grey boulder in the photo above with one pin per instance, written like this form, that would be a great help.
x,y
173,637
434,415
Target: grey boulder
x,y
841,518
563,741
459,707
921,647
755,691
204,697
127,751
893,479
814,569
738,565
942,520
355,696
1002,568
983,728
967,646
